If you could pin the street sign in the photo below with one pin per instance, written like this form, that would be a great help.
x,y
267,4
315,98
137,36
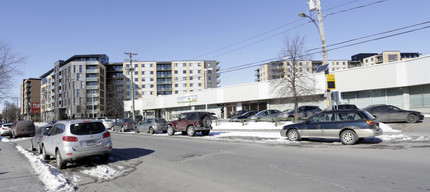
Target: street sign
x,y
331,84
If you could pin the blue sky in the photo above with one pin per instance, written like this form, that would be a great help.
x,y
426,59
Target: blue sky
x,y
165,30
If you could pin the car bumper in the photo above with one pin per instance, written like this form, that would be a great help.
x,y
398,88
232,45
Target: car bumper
x,y
158,128
421,117
72,153
361,133
283,133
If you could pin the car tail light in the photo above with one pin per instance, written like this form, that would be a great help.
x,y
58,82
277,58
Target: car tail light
x,y
127,124
370,122
107,134
3,128
156,124
41,138
70,139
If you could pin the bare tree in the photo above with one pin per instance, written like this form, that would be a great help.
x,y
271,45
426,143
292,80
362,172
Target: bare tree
x,y
296,86
115,106
10,112
9,65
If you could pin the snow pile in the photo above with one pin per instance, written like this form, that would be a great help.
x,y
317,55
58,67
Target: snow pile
x,y
387,129
4,139
51,178
249,125
103,172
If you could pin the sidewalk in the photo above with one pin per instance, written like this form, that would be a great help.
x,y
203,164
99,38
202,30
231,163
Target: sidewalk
x,y
16,173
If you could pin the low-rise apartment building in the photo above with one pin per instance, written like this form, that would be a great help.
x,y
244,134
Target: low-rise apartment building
x,y
30,99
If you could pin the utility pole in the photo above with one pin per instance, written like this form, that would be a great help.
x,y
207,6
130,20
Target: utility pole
x,y
131,70
316,5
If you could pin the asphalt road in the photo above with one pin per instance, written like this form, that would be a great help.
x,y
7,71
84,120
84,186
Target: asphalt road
x,y
182,163
190,164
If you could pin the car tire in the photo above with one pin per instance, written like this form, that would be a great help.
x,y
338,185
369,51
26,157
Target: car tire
x,y
39,148
136,130
293,135
170,130
151,131
206,132
191,131
44,155
32,147
207,122
348,137
61,164
412,118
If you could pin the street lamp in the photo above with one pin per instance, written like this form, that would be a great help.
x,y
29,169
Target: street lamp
x,y
320,29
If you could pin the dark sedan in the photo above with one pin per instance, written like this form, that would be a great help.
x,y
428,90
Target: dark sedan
x,y
244,116
36,140
347,125
389,113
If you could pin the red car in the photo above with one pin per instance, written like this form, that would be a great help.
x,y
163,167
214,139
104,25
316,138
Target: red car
x,y
191,122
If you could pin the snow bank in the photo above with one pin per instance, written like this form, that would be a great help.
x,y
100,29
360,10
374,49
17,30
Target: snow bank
x,y
51,178
249,125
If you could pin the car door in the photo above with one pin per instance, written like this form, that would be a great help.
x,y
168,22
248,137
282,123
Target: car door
x,y
182,122
381,113
396,114
54,138
331,126
312,126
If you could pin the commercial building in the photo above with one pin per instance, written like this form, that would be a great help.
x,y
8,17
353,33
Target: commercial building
x,y
30,99
403,83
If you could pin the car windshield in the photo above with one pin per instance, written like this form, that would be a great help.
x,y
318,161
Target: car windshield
x,y
108,120
87,128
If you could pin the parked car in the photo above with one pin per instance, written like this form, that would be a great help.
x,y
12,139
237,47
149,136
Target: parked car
x,y
72,140
108,123
389,113
152,125
304,111
191,122
344,106
244,116
266,114
22,128
123,125
238,113
5,129
38,135
347,125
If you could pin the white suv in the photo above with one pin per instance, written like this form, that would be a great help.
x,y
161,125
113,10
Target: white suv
x,y
72,140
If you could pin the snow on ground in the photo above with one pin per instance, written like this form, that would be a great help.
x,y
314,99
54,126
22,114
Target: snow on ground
x,y
51,178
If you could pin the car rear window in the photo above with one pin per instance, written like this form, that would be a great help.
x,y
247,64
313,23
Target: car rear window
x,y
350,116
87,128
160,121
9,125
368,115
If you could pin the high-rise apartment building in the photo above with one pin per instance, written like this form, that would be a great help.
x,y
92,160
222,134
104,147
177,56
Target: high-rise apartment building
x,y
280,69
75,88
152,78
30,99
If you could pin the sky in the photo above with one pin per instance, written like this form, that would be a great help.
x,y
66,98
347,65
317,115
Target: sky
x,y
234,32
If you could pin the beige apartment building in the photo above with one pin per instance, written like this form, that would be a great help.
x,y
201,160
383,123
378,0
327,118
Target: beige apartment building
x,y
30,99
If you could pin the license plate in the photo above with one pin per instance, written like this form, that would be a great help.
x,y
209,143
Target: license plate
x,y
91,142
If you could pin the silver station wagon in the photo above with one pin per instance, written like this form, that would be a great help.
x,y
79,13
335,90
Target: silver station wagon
x,y
72,140
347,125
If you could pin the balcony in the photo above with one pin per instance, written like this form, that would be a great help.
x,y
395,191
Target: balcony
x,y
164,89
90,103
90,111
92,62
164,68
91,79
164,82
89,95
164,75
92,87
92,71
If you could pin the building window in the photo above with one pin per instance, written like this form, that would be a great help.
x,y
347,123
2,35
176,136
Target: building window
x,y
191,84
184,85
150,65
176,85
136,73
191,78
184,64
151,72
152,79
184,78
199,71
184,71
143,65
199,84
176,71
191,71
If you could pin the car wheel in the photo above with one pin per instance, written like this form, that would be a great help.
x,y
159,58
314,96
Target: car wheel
x,y
44,155
293,135
348,137
412,118
170,130
60,162
206,132
151,131
39,149
136,130
191,131
32,147
207,122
